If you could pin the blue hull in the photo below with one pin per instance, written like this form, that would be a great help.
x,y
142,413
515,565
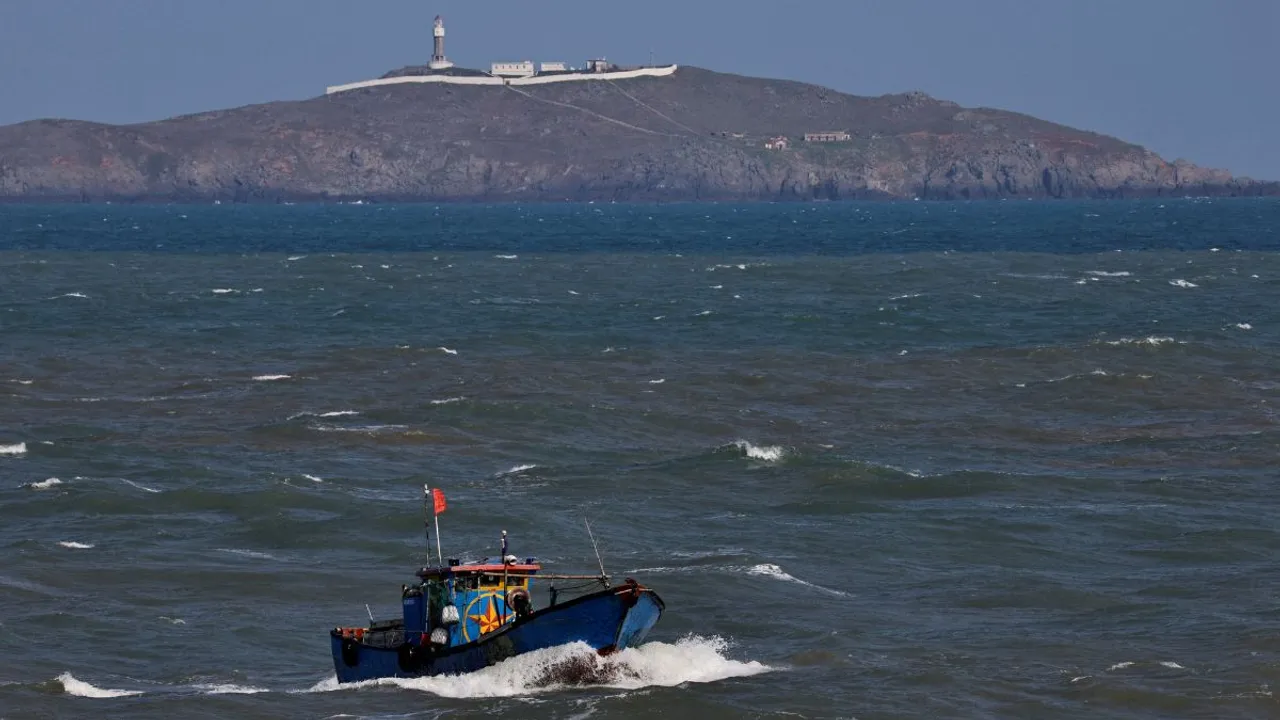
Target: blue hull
x,y
608,621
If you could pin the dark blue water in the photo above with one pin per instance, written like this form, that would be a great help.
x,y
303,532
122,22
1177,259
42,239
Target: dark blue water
x,y
881,460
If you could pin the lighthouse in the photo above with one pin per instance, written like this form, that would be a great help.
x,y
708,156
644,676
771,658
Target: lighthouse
x,y
438,60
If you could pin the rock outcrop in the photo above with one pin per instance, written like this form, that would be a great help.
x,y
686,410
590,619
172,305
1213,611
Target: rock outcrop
x,y
697,135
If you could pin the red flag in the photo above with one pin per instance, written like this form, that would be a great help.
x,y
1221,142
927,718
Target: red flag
x,y
437,499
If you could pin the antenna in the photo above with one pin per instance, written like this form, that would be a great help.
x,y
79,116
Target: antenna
x,y
366,609
591,535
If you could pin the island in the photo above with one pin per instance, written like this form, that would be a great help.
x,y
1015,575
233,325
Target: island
x,y
523,132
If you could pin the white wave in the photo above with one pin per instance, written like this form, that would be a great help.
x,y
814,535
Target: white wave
x,y
515,470
268,378
768,453
1104,273
223,291
80,688
44,484
173,620
704,313
773,571
338,413
358,428
908,296
1244,326
248,553
448,401
22,382
230,689
71,295
659,381
1171,665
448,351
1183,283
313,478
506,257
91,399
574,292
141,487
691,659
1152,340
16,449
1121,666
292,258
73,545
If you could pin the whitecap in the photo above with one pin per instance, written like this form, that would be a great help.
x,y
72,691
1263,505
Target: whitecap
x,y
16,449
506,257
73,545
1244,326
1121,666
73,295
769,453
1104,273
22,382
659,381
1152,340
516,470
295,257
313,478
1183,283
268,378
45,484
1171,665
338,413
248,553
222,291
704,312
773,571
448,351
448,401
908,296
229,689
691,659
144,488
173,620
80,688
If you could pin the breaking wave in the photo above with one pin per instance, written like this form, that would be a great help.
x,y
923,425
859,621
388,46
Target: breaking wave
x,y
768,453
16,449
692,659
80,688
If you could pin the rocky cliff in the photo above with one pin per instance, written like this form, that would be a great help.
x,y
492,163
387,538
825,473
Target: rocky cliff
x,y
696,135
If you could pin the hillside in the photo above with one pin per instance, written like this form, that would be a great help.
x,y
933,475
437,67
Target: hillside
x,y
697,135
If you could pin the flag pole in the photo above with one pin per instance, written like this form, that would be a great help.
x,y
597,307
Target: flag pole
x,y
426,529
439,552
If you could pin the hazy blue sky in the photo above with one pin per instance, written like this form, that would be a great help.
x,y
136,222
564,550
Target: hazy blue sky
x,y
1186,78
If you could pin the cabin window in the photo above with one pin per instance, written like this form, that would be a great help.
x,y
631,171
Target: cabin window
x,y
491,582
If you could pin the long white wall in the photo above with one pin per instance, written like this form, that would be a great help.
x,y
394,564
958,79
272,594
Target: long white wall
x,y
615,75
487,80
450,79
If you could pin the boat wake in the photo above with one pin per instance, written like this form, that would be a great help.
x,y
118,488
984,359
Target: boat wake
x,y
692,659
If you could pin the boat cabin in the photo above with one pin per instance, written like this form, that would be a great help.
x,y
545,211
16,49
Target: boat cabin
x,y
462,602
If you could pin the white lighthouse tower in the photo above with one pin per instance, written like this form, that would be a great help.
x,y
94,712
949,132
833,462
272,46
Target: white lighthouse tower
x,y
438,60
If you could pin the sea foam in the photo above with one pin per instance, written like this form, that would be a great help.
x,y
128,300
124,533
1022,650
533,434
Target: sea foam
x,y
692,659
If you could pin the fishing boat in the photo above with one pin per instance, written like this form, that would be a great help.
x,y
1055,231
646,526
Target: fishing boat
x,y
461,616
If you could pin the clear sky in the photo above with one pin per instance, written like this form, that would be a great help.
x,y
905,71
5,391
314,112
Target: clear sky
x,y
1198,79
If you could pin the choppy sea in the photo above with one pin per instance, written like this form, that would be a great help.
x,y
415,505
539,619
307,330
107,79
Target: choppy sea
x,y
915,460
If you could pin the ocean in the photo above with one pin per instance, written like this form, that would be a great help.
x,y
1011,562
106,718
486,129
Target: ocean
x,y
908,460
